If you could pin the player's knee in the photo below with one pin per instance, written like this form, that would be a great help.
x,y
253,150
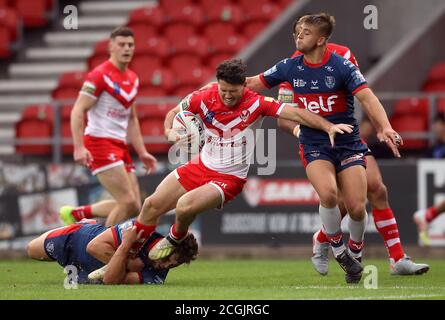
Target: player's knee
x,y
377,191
33,249
130,206
152,205
328,198
357,210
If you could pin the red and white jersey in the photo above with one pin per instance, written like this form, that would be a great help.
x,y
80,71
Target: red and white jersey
x,y
115,92
230,132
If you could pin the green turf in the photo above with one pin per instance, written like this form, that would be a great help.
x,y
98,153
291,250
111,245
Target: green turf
x,y
226,279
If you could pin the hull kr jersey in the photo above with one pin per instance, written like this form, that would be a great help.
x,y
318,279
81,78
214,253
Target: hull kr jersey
x,y
115,92
326,89
230,132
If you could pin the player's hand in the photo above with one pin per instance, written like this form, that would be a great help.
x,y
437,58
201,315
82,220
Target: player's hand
x,y
130,236
83,156
179,136
296,131
338,128
149,162
392,139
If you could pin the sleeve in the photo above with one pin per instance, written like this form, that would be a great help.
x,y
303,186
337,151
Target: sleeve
x,y
286,93
93,85
275,75
191,102
270,107
354,80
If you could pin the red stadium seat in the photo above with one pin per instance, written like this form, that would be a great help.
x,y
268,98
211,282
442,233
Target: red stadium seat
x,y
33,13
154,128
153,46
410,123
219,29
189,14
143,31
194,45
216,59
176,31
413,106
231,45
36,122
101,47
154,16
250,4
179,63
159,78
227,13
145,64
208,5
253,29
9,20
440,105
194,76
65,129
69,85
65,112
263,12
5,43
149,92
154,111
437,72
169,5
185,90
96,60
434,86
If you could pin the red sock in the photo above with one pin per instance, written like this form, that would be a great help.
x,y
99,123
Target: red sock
x,y
175,234
82,212
386,224
321,236
431,214
146,232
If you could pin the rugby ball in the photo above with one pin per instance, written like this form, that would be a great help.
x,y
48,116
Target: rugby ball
x,y
188,123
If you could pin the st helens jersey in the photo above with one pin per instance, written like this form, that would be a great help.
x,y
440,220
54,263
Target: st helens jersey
x,y
326,89
115,92
230,132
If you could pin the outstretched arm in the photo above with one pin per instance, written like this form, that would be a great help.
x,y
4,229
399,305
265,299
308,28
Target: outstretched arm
x,y
309,119
377,115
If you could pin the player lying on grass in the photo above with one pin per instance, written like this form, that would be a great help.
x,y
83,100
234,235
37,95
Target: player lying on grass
x,y
89,246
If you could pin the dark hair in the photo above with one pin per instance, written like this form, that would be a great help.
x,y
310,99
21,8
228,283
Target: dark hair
x,y
323,21
122,31
185,252
440,116
232,71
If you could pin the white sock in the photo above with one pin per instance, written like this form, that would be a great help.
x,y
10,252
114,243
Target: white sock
x,y
331,219
357,228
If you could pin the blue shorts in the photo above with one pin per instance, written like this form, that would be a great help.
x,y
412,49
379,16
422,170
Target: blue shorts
x,y
341,156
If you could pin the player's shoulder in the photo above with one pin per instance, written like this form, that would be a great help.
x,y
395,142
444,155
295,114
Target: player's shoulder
x,y
338,48
341,62
131,74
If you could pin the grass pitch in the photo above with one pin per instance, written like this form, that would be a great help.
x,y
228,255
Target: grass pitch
x,y
226,279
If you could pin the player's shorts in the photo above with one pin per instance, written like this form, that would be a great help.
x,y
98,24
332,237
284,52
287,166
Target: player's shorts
x,y
108,153
195,174
369,151
56,243
341,156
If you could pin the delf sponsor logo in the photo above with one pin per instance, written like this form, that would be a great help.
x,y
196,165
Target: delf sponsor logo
x,y
259,192
320,104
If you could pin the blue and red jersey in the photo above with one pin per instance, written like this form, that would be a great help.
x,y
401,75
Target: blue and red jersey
x,y
326,89
68,246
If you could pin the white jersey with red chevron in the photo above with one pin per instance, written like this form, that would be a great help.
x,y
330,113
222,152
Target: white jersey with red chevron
x,y
115,91
230,132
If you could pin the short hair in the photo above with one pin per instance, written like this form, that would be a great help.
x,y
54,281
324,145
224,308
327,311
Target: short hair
x,y
122,31
323,21
232,71
440,116
298,21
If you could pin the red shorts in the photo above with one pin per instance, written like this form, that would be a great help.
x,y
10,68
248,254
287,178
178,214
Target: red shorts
x,y
108,153
195,174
